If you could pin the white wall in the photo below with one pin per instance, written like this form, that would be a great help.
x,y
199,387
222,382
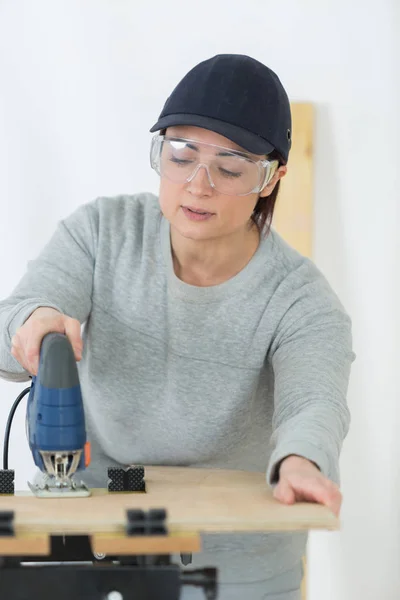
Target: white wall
x,y
82,82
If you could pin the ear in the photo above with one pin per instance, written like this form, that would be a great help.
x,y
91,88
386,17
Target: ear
x,y
279,173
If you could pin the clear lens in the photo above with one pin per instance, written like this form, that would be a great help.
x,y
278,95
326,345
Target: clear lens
x,y
229,173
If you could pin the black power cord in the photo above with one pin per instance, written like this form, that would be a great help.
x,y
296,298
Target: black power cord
x,y
8,426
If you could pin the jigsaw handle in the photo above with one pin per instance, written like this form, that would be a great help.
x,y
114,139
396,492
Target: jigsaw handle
x,y
57,364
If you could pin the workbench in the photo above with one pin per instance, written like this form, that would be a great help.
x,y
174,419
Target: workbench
x,y
106,555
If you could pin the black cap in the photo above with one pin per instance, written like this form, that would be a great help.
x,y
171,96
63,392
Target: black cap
x,y
237,97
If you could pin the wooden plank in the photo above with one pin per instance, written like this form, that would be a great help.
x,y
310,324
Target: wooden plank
x,y
196,500
293,218
25,544
112,543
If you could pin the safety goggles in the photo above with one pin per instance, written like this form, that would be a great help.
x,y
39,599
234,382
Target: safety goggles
x,y
229,171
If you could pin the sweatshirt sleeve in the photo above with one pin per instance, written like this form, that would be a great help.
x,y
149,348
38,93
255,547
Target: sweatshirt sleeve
x,y
61,277
311,360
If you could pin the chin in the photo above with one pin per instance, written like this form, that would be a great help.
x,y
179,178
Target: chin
x,y
192,231
189,229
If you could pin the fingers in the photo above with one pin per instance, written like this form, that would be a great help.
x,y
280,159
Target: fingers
x,y
284,492
31,339
332,497
325,492
313,489
15,348
73,332
26,343
25,350
321,490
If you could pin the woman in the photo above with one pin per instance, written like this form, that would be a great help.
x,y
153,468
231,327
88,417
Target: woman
x,y
208,340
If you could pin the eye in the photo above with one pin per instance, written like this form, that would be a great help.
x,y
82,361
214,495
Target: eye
x,y
179,161
227,173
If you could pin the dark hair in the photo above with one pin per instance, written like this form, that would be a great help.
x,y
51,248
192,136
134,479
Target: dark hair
x,y
264,209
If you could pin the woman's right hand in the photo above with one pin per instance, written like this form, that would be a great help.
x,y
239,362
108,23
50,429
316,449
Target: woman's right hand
x,y
26,343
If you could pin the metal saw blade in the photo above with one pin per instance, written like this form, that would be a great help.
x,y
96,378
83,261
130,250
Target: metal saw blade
x,y
53,491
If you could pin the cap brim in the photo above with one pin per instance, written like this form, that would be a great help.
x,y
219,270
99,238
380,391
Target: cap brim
x,y
247,140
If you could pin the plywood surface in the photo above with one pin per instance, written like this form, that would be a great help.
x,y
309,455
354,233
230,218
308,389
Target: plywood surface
x,y
118,544
196,500
25,544
293,218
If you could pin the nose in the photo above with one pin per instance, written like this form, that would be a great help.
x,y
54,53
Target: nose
x,y
200,183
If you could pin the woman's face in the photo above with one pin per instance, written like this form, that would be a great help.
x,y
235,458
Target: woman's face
x,y
230,214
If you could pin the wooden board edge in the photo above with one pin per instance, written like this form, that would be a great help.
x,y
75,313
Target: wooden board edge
x,y
110,543
25,544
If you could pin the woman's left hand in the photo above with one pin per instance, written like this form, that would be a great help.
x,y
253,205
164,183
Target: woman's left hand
x,y
300,480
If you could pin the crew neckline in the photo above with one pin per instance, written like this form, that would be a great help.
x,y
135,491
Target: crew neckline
x,y
192,293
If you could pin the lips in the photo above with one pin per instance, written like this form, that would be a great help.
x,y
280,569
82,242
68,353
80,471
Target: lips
x,y
199,211
195,214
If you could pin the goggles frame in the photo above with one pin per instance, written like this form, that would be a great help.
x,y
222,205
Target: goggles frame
x,y
268,166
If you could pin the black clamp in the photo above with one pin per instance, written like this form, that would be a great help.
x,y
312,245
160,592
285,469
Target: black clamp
x,y
7,523
186,558
142,523
7,481
130,479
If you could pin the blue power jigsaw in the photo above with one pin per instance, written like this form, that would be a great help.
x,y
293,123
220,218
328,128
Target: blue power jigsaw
x,y
55,421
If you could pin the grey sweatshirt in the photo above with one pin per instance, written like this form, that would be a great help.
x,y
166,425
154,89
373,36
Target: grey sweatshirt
x,y
236,375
